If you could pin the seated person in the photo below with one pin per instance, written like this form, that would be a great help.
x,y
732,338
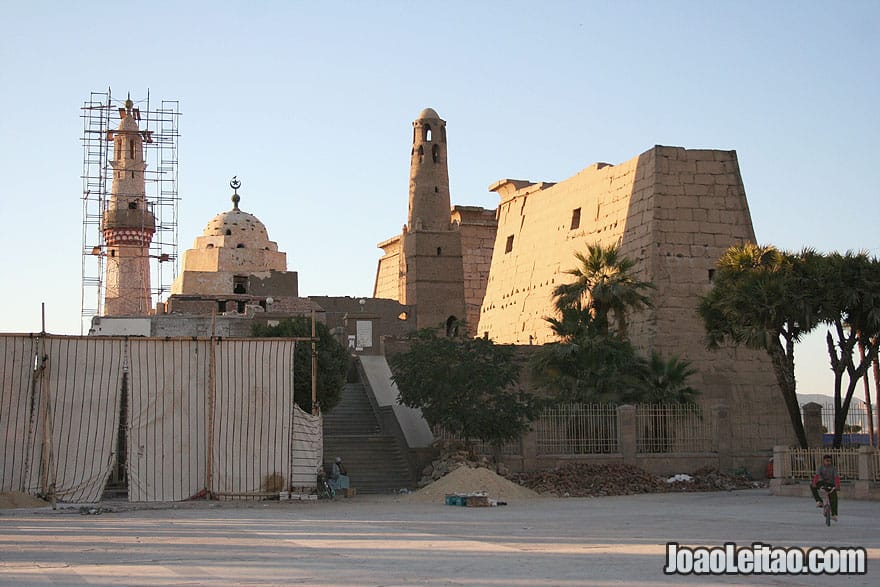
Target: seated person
x,y
339,476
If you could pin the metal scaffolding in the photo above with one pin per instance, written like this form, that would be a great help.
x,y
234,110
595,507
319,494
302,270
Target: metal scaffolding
x,y
100,114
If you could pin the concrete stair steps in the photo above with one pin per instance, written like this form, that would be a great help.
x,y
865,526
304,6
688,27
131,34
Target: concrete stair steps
x,y
374,462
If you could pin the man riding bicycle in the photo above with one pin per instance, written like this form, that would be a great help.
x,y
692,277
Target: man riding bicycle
x,y
826,477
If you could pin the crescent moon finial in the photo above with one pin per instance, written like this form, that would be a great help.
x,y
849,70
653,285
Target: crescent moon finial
x,y
235,184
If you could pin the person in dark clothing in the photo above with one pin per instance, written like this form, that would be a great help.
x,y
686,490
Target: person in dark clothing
x,y
826,476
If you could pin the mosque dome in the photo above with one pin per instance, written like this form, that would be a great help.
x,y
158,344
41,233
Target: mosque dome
x,y
246,229
428,113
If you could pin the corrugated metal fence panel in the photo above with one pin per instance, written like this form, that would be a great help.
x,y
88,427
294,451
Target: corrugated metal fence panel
x,y
167,443
253,415
16,408
84,382
308,448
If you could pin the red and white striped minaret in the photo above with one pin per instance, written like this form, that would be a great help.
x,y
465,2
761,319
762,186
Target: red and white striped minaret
x,y
128,225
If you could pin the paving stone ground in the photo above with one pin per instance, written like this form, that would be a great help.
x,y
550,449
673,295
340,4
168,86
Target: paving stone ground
x,y
388,541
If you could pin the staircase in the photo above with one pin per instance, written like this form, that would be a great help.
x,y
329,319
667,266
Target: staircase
x,y
374,460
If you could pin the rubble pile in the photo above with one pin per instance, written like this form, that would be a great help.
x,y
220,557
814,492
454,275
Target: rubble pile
x,y
452,456
582,480
711,479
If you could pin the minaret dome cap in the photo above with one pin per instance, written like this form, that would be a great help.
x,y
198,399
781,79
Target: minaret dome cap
x,y
428,113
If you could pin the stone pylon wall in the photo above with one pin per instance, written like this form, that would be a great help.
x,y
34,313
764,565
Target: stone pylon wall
x,y
673,211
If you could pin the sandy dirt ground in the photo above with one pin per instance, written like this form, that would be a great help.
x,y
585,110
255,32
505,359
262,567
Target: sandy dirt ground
x,y
401,541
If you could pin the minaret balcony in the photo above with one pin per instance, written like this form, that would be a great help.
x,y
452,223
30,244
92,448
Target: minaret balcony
x,y
136,218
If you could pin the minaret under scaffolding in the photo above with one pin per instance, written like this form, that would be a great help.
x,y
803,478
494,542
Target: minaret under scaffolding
x,y
127,223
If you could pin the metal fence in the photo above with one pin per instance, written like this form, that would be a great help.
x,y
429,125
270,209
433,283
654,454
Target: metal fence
x,y
575,429
803,462
509,448
674,428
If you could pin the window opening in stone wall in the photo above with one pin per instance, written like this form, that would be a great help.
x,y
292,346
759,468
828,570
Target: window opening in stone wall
x,y
131,149
509,246
112,252
421,153
240,306
228,232
435,153
436,190
711,275
221,306
439,251
210,246
132,206
239,284
575,218
131,174
239,246
427,132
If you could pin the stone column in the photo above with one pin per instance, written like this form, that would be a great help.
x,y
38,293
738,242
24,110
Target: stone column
x,y
813,424
780,467
862,486
627,433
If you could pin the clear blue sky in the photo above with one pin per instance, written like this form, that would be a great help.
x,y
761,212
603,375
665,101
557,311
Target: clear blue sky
x,y
310,104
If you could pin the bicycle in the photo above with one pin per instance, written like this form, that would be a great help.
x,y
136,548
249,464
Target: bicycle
x,y
825,493
325,490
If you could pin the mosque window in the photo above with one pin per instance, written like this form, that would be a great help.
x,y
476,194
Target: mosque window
x,y
421,154
131,149
711,275
575,218
239,246
436,190
439,251
509,246
210,246
240,307
427,129
221,306
435,153
228,232
132,205
239,284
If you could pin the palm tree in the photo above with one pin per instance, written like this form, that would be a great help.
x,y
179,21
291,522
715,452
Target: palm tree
x,y
766,299
604,285
667,380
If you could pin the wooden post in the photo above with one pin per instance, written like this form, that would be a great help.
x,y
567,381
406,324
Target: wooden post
x,y
209,465
314,367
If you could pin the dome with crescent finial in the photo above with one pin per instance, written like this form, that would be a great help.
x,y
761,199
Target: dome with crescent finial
x,y
243,227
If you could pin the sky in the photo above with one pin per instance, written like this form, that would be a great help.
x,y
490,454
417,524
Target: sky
x,y
310,105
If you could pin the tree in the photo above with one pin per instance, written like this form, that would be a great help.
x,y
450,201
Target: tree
x,y
603,284
466,386
851,306
333,361
765,299
588,364
666,380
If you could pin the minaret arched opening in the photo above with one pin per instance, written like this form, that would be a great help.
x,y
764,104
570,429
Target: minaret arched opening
x,y
427,132
435,153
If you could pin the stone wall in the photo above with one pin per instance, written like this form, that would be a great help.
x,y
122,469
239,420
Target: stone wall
x,y
477,227
674,211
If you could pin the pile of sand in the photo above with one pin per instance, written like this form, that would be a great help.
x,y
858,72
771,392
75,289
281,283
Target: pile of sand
x,y
468,480
17,499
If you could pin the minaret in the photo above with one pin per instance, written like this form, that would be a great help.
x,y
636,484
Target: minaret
x,y
432,276
429,202
128,225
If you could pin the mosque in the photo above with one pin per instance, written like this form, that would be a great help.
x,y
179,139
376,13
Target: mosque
x,y
467,270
